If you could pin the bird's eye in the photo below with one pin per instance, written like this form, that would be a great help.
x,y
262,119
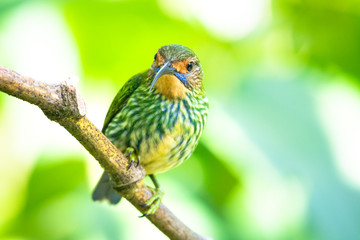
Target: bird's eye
x,y
155,56
190,66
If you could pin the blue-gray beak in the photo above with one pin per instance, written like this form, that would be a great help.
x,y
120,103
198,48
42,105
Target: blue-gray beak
x,y
167,68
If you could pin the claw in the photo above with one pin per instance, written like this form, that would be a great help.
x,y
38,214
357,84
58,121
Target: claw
x,y
154,202
132,156
129,152
130,164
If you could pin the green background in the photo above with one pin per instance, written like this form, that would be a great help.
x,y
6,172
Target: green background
x,y
279,157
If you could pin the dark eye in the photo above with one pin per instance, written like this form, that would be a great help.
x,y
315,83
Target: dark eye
x,y
190,66
155,56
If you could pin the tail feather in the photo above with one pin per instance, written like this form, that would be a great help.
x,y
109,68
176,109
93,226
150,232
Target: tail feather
x,y
104,190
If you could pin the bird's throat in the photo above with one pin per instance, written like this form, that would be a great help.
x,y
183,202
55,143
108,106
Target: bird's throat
x,y
170,87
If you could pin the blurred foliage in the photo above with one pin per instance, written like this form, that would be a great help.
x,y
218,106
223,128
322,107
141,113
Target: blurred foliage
x,y
56,204
299,127
218,191
326,33
269,166
7,5
104,45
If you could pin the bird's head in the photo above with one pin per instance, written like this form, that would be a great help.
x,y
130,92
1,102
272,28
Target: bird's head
x,y
175,71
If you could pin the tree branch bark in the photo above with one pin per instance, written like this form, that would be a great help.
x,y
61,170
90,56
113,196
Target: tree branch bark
x,y
62,104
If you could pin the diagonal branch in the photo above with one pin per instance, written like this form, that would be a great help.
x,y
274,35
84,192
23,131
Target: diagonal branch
x,y
62,104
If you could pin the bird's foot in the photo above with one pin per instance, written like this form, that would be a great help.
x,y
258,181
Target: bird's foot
x,y
132,156
154,202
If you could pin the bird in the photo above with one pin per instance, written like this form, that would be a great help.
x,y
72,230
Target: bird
x,y
157,118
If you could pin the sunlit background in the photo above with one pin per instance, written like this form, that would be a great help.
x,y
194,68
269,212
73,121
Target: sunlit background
x,y
279,158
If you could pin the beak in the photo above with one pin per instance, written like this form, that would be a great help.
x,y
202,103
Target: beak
x,y
167,68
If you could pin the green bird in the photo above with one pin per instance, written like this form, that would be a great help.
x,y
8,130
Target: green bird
x,y
157,118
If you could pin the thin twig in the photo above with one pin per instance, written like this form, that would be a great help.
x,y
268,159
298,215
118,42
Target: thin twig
x,y
62,104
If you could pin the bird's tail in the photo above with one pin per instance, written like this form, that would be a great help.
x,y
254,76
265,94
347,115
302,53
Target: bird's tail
x,y
104,190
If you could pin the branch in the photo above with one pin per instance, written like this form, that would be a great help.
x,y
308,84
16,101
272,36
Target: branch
x,y
62,104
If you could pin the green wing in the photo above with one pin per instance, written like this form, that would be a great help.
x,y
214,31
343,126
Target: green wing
x,y
122,97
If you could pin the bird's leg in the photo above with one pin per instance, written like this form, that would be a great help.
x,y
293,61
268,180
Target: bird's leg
x,y
132,156
154,202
